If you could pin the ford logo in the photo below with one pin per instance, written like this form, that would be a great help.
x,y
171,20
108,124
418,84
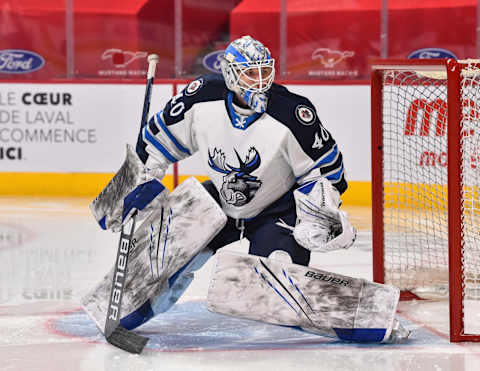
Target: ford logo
x,y
20,61
431,53
212,61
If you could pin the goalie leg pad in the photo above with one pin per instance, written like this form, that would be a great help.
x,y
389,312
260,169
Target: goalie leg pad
x,y
164,245
321,302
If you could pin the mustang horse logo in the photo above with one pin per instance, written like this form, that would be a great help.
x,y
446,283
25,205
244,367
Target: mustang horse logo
x,y
329,58
239,186
122,58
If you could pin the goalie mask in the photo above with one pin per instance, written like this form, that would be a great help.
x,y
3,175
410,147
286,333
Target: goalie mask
x,y
248,70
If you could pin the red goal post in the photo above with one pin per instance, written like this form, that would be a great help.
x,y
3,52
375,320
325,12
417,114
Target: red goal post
x,y
425,183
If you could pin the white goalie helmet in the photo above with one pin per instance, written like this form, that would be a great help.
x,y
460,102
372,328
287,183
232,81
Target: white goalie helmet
x,y
249,70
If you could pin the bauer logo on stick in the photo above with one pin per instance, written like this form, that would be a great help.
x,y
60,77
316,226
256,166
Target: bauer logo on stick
x,y
305,115
119,278
194,87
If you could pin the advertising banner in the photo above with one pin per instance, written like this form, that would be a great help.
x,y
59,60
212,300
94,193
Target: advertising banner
x,y
70,127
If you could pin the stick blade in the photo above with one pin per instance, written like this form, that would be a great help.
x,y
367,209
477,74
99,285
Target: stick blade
x,y
126,340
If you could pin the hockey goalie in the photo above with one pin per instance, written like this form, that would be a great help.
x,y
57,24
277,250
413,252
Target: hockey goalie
x,y
276,176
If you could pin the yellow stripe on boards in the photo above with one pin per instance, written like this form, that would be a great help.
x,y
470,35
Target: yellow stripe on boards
x,y
90,184
358,194
58,184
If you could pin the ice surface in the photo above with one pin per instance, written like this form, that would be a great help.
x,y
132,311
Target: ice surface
x,y
52,253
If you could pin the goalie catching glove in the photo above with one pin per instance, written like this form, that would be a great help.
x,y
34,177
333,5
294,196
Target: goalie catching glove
x,y
134,188
320,225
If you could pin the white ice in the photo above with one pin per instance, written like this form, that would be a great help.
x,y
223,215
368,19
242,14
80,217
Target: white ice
x,y
52,252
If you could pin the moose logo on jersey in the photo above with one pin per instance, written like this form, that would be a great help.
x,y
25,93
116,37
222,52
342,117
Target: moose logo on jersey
x,y
239,186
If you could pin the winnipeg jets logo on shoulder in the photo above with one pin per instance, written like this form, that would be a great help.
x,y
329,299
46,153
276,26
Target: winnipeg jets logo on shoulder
x,y
239,186
194,87
305,115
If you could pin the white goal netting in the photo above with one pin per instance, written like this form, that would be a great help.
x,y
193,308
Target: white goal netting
x,y
415,179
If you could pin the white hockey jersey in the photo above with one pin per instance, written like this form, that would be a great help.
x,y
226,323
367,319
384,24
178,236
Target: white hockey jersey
x,y
252,160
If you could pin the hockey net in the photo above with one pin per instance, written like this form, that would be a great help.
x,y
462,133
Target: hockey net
x,y
424,242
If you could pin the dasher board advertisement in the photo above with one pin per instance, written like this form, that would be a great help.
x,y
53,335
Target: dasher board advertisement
x,y
72,127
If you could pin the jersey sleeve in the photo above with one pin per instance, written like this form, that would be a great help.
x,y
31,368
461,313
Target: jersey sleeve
x,y
311,149
168,136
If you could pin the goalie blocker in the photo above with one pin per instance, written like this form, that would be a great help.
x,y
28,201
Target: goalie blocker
x,y
317,301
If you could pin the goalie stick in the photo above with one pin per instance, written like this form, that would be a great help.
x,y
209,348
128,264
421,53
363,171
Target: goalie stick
x,y
115,334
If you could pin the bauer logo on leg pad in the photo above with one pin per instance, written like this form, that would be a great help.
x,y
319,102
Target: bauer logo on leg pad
x,y
327,278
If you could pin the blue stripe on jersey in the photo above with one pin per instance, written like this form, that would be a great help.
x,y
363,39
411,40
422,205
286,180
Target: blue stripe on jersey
x,y
170,135
328,159
323,161
151,139
337,175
